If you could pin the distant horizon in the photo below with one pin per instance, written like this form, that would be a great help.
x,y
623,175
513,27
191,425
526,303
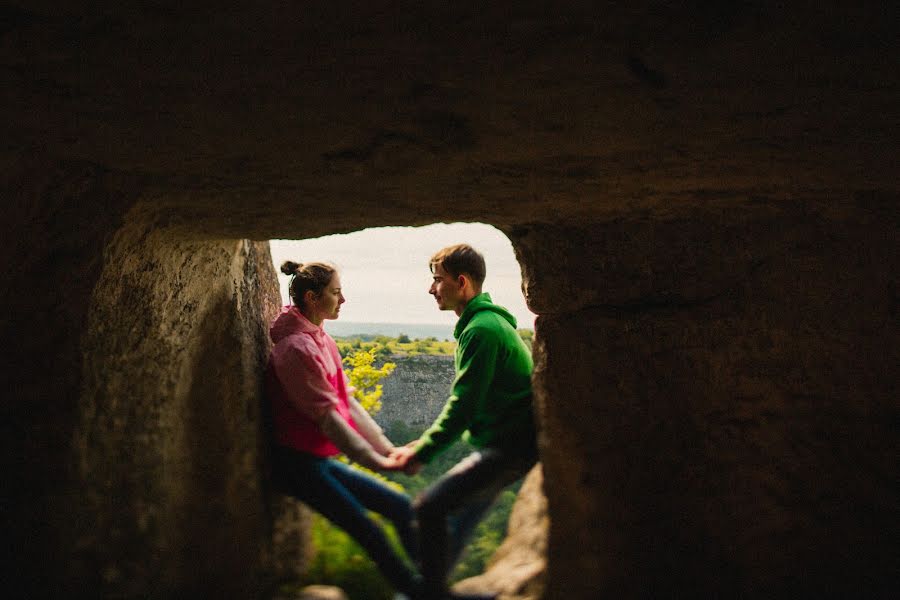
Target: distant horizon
x,y
384,271
416,323
424,324
340,328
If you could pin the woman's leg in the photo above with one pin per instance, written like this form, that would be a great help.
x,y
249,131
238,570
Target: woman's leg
x,y
313,482
381,498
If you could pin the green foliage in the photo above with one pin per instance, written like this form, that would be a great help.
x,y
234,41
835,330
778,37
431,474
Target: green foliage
x,y
341,562
386,347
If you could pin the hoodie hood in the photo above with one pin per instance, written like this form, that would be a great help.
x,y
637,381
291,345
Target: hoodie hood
x,y
481,302
290,322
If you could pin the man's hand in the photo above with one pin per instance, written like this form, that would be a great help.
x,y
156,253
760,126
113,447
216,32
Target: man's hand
x,y
406,457
390,463
402,454
413,466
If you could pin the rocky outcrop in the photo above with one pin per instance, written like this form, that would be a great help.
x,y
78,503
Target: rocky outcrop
x,y
171,443
727,363
517,570
416,391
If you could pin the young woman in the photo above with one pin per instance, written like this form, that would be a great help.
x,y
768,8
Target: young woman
x,y
316,418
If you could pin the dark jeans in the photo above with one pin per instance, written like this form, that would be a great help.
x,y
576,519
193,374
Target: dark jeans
x,y
450,508
342,495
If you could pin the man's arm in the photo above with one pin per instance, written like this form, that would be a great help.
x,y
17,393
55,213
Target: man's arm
x,y
477,361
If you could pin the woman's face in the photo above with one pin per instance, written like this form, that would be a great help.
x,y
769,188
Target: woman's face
x,y
328,304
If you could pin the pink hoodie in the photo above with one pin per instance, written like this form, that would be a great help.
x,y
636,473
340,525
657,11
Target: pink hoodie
x,y
304,380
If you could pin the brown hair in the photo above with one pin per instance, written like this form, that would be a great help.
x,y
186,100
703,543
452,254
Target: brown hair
x,y
461,259
312,276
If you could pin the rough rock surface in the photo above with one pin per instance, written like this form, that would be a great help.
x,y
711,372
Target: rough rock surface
x,y
703,198
734,382
171,439
517,570
416,391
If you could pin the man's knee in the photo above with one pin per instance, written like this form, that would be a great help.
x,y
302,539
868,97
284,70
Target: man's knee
x,y
427,507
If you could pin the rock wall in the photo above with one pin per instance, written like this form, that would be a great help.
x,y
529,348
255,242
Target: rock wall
x,y
726,376
416,391
149,473
171,444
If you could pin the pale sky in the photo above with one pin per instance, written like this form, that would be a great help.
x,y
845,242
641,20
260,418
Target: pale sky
x,y
384,271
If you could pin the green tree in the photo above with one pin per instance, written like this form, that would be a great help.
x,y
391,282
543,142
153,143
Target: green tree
x,y
382,339
402,339
382,352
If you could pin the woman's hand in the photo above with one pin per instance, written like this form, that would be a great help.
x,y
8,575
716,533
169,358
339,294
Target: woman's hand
x,y
406,458
390,463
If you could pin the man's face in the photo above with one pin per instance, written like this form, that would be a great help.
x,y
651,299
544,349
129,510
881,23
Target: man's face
x,y
445,289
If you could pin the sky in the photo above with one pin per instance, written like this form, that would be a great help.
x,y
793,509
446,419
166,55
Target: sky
x,y
384,270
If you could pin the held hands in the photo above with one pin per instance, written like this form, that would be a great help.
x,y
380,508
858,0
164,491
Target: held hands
x,y
405,458
390,463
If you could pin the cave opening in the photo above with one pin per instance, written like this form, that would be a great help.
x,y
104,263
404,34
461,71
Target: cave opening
x,y
390,314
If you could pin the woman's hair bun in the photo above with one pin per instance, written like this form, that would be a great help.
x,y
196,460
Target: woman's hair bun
x,y
289,267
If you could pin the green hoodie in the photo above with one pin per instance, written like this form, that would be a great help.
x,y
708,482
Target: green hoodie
x,y
490,401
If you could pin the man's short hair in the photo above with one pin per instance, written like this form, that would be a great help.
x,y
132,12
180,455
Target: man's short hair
x,y
460,259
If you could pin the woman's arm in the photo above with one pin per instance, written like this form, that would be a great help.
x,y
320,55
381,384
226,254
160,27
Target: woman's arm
x,y
351,443
369,428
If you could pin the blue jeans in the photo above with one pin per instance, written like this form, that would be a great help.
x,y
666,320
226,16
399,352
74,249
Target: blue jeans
x,y
342,495
450,508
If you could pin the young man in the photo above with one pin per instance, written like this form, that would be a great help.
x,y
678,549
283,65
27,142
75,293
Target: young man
x,y
489,406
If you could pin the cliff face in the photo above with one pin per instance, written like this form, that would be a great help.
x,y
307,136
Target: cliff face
x,y
703,198
416,391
